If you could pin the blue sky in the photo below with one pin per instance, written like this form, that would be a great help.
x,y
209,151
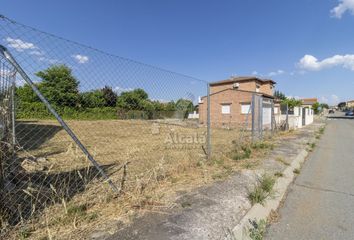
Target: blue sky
x,y
304,45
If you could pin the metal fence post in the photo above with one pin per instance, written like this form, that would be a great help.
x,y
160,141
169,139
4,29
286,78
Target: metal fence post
x,y
208,123
261,118
272,123
287,117
27,79
253,115
13,113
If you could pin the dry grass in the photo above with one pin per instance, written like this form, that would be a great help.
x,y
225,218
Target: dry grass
x,y
157,170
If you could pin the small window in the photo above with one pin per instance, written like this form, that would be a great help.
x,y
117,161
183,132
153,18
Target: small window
x,y
276,110
258,87
245,108
225,109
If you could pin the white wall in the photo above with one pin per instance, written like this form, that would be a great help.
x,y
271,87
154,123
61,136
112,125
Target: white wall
x,y
309,116
295,121
267,116
193,115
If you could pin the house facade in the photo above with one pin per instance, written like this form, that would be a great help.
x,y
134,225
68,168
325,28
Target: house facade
x,y
308,102
230,101
350,104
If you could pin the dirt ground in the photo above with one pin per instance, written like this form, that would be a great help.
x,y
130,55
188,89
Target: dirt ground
x,y
69,198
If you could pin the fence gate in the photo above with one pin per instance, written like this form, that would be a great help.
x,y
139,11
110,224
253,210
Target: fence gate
x,y
304,116
262,116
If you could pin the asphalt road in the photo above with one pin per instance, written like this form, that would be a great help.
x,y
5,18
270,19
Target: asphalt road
x,y
320,203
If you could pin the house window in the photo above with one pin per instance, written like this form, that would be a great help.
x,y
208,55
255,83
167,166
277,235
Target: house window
x,y
276,110
245,108
226,109
258,87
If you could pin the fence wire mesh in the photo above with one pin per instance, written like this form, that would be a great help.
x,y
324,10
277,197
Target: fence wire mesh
x,y
146,127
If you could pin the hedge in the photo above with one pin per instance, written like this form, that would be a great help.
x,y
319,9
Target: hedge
x,y
40,111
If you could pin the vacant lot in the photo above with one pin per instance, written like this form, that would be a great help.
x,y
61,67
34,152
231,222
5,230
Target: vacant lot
x,y
65,195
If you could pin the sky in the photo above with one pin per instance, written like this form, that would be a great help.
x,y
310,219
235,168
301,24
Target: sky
x,y
306,46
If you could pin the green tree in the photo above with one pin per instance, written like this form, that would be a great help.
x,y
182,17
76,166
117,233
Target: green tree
x,y
342,105
324,106
279,95
170,106
316,107
59,86
92,99
110,97
26,94
133,100
185,106
292,102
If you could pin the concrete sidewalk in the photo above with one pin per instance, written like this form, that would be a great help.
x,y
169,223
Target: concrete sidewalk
x,y
321,201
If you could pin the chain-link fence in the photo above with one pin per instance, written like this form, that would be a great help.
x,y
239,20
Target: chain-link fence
x,y
7,119
99,137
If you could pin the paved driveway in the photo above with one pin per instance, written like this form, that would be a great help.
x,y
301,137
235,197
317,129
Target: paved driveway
x,y
320,203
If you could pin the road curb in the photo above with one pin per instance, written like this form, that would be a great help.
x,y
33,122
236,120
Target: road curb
x,y
261,212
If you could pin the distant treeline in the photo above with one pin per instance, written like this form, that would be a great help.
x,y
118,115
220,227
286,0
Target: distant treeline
x,y
61,89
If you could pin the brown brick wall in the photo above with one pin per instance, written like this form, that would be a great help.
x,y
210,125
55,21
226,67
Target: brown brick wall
x,y
267,88
233,97
244,86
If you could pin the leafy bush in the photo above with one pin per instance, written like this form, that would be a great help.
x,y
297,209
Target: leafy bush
x,y
258,229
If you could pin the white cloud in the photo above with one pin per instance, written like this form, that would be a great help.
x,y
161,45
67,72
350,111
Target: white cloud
x,y
335,99
343,7
296,97
279,72
81,58
160,100
19,44
36,53
119,90
331,100
324,99
254,73
311,63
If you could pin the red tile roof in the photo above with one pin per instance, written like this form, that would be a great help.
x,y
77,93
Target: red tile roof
x,y
309,101
242,79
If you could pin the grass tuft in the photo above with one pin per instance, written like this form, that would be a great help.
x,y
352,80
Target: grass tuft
x,y
24,233
267,183
77,210
263,145
261,190
244,153
282,160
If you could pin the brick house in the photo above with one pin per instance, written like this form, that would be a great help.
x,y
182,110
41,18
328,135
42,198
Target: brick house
x,y
308,102
230,100
350,104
